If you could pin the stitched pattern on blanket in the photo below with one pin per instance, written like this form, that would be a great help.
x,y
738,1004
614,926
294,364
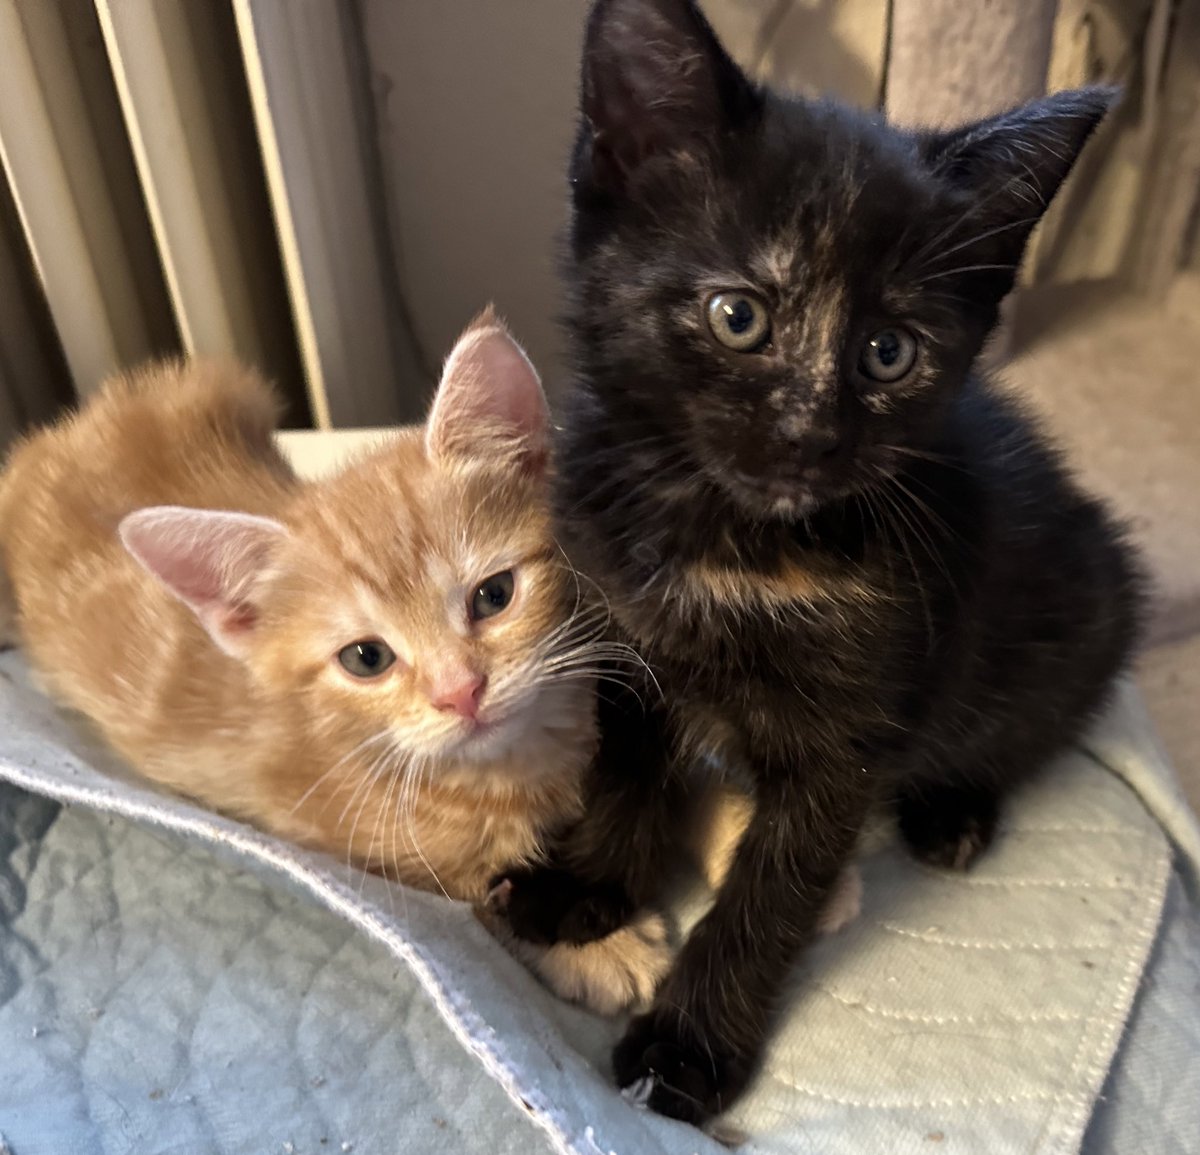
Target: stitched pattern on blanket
x,y
172,1004
982,1009
979,1002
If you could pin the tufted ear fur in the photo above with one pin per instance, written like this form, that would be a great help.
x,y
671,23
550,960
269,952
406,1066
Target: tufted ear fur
x,y
210,560
1011,165
489,389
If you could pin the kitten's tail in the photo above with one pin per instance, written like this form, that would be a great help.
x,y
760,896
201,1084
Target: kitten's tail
x,y
217,391
609,976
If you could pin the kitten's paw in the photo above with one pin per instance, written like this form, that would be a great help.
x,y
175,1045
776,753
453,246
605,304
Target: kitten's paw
x,y
948,827
547,905
615,974
661,1067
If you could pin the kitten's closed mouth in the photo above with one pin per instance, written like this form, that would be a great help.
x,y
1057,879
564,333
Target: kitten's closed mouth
x,y
480,736
770,497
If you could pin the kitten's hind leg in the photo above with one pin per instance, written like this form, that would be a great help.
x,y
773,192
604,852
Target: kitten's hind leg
x,y
949,823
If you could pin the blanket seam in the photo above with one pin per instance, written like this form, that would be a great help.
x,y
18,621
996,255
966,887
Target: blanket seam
x,y
1065,1127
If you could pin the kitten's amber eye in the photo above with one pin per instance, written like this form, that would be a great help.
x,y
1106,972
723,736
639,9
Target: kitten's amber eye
x,y
740,322
366,659
888,355
493,595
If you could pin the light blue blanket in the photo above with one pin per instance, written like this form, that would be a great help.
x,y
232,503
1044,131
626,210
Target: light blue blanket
x,y
171,981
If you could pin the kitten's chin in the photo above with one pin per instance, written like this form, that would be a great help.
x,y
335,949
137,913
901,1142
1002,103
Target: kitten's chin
x,y
769,500
491,740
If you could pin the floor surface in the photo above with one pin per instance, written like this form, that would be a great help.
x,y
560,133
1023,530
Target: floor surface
x,y
1118,382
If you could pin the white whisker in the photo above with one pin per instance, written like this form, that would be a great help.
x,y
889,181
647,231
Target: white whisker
x,y
363,745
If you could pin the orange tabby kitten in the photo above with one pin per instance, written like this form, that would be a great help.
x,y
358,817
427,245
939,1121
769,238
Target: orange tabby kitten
x,y
386,665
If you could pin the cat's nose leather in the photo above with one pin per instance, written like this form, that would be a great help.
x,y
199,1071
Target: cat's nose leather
x,y
820,444
459,697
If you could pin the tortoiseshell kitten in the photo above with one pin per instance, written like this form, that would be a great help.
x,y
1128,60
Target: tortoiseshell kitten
x,y
859,571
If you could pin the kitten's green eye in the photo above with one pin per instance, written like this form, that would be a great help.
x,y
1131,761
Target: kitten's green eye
x,y
740,322
888,355
493,595
366,659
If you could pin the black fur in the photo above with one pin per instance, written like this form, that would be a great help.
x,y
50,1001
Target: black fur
x,y
854,593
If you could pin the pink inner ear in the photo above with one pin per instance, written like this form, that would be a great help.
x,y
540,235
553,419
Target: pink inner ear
x,y
488,383
188,570
208,559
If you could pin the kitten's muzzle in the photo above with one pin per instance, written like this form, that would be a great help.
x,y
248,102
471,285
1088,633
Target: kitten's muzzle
x,y
792,484
815,448
785,465
791,449
459,696
772,497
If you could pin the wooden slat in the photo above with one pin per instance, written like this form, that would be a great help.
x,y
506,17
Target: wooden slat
x,y
172,140
183,96
53,166
308,99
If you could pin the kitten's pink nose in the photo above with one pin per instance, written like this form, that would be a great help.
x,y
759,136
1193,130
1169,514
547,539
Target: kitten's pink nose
x,y
460,696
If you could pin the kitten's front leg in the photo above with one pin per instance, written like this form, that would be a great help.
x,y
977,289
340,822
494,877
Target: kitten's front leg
x,y
610,864
701,1042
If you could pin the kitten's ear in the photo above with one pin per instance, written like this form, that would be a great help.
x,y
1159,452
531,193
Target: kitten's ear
x,y
210,560
655,80
490,399
1014,163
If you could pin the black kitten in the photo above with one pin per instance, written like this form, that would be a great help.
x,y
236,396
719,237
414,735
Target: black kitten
x,y
859,572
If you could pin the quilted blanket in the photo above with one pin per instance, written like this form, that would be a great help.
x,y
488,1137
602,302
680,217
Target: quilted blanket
x,y
174,981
